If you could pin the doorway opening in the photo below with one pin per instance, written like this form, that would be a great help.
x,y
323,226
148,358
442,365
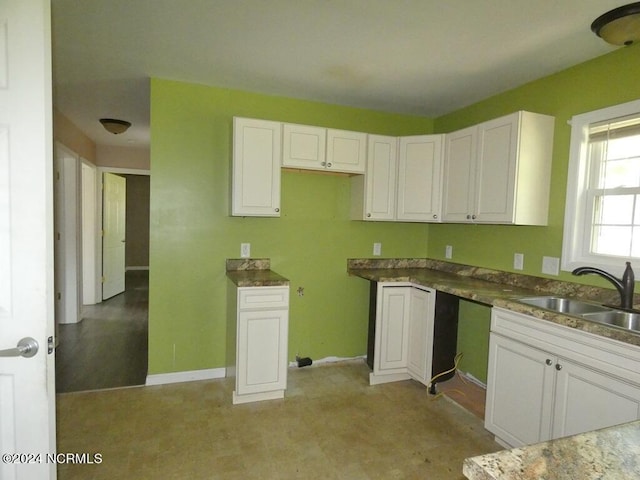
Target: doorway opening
x,y
106,346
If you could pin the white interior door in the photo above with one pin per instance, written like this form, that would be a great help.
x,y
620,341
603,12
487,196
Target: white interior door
x,y
113,240
27,389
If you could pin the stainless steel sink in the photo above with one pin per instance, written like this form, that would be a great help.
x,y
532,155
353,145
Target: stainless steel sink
x,y
616,318
589,311
564,305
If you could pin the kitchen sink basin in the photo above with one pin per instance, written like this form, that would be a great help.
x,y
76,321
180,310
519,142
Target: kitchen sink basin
x,y
588,311
616,318
564,305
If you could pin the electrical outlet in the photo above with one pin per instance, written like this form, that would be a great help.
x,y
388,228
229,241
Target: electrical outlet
x,y
551,265
448,251
245,250
518,261
377,249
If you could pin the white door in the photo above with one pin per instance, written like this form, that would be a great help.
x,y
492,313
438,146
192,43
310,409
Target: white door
x,y
113,240
520,382
382,165
419,172
459,175
27,389
421,335
393,348
588,400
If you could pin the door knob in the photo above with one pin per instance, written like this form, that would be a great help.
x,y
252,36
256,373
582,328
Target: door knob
x,y
27,347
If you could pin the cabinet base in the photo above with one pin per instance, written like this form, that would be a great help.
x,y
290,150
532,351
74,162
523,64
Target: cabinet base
x,y
257,397
387,378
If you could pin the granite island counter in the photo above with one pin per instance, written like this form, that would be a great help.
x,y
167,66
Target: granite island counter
x,y
609,454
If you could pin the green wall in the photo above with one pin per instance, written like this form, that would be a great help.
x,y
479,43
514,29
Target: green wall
x,y
608,80
191,233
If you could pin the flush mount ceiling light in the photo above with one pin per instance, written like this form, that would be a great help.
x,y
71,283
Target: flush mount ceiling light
x,y
115,126
620,26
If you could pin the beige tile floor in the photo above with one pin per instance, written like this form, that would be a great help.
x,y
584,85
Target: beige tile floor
x,y
331,425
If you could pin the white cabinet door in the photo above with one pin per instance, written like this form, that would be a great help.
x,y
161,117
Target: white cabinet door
x,y
519,392
256,168
419,178
380,178
346,151
262,351
421,318
495,170
459,175
393,351
303,146
587,400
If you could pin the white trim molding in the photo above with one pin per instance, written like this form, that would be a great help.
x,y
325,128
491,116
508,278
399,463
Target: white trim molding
x,y
187,376
575,241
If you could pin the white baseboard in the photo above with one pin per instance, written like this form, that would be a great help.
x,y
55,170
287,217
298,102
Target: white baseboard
x,y
189,376
472,379
329,360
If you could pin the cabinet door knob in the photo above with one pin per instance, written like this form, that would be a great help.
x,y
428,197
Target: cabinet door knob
x,y
323,163
473,217
468,217
548,361
328,165
277,209
558,366
435,216
368,215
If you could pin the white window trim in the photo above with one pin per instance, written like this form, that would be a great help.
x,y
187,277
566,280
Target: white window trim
x,y
575,240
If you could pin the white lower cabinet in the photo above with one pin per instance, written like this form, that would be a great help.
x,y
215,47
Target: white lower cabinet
x,y
258,340
404,333
548,381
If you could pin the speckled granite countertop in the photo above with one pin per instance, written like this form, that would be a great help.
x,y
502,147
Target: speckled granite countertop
x,y
253,272
493,288
609,454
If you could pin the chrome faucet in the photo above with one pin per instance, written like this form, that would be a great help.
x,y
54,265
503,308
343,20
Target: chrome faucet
x,y
624,286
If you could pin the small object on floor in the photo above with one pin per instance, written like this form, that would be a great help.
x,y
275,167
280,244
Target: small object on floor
x,y
303,362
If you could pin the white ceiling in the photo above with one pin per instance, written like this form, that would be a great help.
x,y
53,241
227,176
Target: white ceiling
x,y
422,57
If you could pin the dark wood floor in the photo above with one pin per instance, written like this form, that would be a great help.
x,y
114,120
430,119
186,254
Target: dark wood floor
x,y
108,348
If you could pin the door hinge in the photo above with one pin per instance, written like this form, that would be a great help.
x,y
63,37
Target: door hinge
x,y
59,295
102,279
50,345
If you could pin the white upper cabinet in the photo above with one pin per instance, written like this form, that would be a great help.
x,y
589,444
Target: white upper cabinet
x,y
303,146
317,148
373,196
346,151
459,175
499,171
419,178
402,181
256,168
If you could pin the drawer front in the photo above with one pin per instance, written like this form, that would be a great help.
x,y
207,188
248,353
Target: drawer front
x,y
253,298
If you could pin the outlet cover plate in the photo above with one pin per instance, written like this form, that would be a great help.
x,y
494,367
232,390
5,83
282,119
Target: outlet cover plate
x,y
518,261
448,251
377,249
551,265
245,250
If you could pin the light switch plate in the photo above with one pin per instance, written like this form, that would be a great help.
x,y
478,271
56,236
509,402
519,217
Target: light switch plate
x,y
245,250
518,261
448,251
551,265
377,249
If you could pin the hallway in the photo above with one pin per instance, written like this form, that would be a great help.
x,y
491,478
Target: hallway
x,y
108,348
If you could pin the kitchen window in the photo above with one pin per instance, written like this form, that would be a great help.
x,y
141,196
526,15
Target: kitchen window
x,y
602,216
